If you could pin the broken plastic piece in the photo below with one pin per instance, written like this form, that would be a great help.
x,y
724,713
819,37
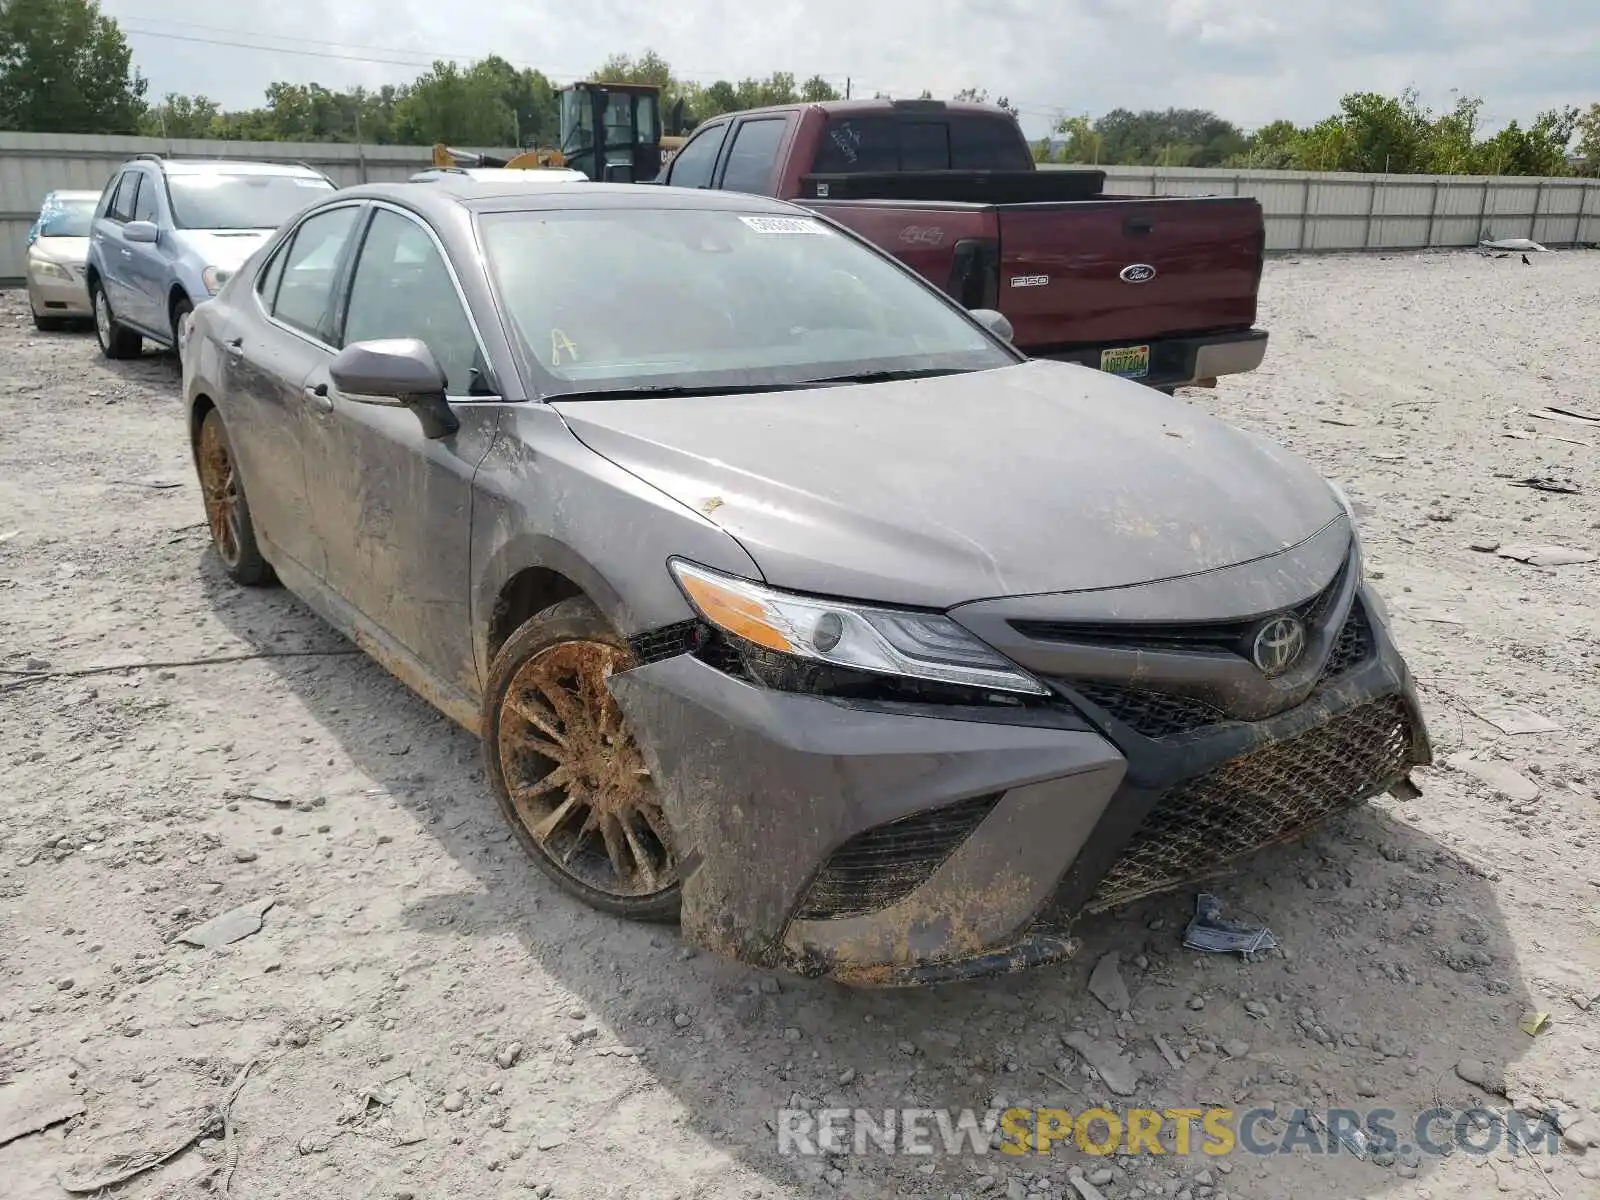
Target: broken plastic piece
x,y
1213,934
1533,1023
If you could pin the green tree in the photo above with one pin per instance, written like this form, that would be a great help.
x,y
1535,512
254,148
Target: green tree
x,y
981,96
66,68
1587,129
1083,143
447,104
817,90
182,117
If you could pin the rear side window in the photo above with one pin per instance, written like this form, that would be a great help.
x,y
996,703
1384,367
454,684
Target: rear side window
x,y
691,166
857,145
121,208
988,144
753,156
305,295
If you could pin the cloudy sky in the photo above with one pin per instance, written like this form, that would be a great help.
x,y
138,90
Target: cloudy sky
x,y
1250,60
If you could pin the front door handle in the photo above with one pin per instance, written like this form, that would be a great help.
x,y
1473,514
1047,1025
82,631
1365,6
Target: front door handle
x,y
234,347
317,396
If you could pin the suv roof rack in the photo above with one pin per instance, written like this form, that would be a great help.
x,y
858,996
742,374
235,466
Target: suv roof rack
x,y
151,156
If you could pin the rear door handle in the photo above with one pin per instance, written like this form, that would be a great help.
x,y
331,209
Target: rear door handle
x,y
317,396
234,347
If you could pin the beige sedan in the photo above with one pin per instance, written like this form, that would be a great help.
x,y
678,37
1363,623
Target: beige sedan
x,y
58,245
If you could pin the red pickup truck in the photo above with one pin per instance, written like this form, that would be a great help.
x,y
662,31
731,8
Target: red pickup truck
x,y
1161,289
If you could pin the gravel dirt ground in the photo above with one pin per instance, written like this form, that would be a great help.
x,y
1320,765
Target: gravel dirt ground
x,y
422,1015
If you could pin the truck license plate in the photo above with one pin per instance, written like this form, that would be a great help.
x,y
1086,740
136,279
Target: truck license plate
x,y
1130,362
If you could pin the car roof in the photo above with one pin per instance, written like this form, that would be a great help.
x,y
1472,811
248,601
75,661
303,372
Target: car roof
x,y
450,190
232,166
502,174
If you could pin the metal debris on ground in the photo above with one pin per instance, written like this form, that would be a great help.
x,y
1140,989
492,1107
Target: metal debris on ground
x,y
232,926
1526,245
1546,483
1510,719
36,1101
1212,933
1547,556
1500,777
1571,416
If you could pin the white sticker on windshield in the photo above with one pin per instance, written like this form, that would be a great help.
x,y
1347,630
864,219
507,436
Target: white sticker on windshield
x,y
785,225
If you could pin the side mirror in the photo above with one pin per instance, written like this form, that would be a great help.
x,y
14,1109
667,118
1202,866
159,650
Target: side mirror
x,y
141,231
619,173
401,372
995,322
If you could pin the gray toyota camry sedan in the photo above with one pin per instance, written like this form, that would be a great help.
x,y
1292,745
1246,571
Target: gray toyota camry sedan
x,y
788,600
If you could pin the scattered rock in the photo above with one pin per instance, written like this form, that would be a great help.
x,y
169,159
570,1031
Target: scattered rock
x,y
1257,1008
1488,1076
1237,1048
454,1102
1547,556
508,1056
1106,1058
1106,985
244,856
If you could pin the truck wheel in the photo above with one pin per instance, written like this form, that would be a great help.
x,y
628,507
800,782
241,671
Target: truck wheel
x,y
566,770
115,341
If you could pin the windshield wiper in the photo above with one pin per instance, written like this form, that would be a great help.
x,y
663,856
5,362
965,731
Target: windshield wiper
x,y
717,389
889,376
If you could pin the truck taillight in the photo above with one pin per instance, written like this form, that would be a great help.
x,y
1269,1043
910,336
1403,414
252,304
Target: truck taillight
x,y
975,273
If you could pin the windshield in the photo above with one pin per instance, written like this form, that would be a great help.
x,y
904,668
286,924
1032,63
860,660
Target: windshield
x,y
608,300
66,218
216,200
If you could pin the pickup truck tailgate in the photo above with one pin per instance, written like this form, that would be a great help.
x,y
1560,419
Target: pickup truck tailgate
x,y
1125,270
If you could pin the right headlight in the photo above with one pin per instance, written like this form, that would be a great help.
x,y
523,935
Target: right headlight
x,y
884,641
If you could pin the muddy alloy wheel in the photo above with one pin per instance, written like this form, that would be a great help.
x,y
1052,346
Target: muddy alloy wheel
x,y
115,341
568,771
227,511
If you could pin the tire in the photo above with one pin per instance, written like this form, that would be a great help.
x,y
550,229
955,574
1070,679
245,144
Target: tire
x,y
233,535
181,307
577,837
49,324
115,341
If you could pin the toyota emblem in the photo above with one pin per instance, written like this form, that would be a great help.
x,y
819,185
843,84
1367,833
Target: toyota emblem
x,y
1278,644
1137,273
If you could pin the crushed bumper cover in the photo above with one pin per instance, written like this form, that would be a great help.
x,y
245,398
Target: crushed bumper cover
x,y
887,845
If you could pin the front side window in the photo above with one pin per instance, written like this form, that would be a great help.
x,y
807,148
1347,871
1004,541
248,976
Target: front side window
x,y
305,294
402,289
692,165
607,300
144,204
242,200
753,156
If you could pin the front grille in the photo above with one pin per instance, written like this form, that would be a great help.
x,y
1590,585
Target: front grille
x,y
883,865
1151,714
1353,646
1266,796
1194,637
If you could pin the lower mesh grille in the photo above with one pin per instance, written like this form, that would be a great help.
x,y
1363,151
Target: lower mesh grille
x,y
669,641
1353,646
881,866
1266,796
1151,714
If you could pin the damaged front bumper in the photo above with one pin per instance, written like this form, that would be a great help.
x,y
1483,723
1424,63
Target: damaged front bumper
x,y
885,844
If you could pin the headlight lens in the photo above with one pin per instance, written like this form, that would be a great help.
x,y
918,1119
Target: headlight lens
x,y
51,270
885,641
214,278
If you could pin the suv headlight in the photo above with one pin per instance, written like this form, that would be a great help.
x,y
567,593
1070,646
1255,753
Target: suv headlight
x,y
214,278
885,641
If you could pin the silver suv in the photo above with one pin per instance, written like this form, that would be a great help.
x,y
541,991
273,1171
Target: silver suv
x,y
167,233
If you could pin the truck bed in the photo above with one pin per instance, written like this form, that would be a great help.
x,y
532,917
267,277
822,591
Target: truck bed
x,y
1070,274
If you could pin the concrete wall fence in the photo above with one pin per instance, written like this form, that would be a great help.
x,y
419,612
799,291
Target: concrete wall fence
x,y
1305,211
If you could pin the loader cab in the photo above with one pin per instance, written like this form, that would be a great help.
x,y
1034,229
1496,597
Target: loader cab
x,y
612,131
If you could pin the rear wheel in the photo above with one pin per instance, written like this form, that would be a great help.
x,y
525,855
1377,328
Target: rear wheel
x,y
566,770
227,511
115,341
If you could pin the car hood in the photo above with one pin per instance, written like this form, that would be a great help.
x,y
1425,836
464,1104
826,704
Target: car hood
x,y
1042,477
73,251
226,249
